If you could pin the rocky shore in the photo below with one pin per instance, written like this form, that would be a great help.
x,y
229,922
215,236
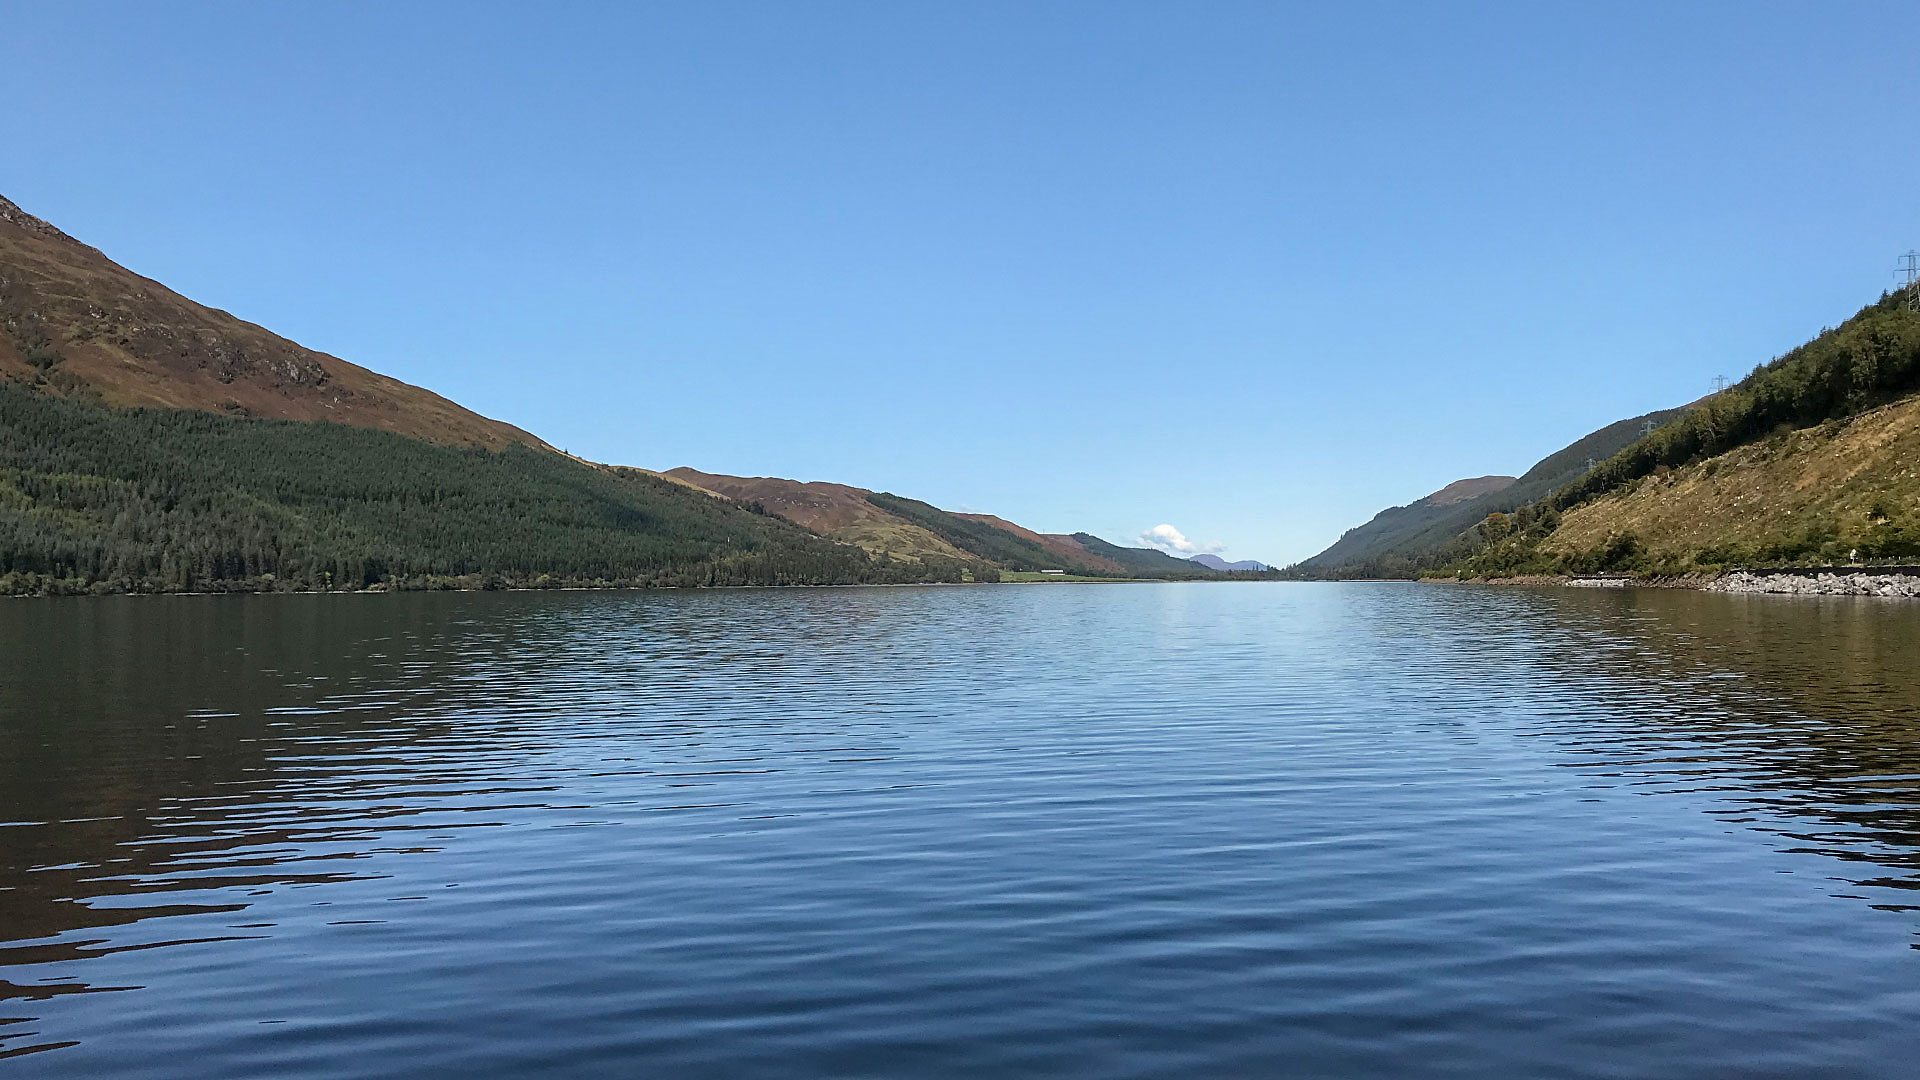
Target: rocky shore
x,y
1836,582
1894,581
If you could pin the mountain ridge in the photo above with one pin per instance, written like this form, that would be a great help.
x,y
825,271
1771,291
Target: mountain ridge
x,y
1215,562
1403,540
154,443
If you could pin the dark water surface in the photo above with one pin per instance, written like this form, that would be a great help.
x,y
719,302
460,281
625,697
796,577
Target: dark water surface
x,y
1100,831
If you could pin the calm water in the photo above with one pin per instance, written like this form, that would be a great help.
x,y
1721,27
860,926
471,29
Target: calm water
x,y
1186,830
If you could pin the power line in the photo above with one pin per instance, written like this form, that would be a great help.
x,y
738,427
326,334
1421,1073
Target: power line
x,y
1719,383
1909,271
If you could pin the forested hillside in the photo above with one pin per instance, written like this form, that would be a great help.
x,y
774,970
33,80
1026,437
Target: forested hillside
x,y
154,500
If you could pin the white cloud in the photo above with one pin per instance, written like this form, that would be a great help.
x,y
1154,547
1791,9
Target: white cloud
x,y
1168,538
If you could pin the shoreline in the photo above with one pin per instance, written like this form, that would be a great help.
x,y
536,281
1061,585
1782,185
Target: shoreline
x,y
1896,582
614,588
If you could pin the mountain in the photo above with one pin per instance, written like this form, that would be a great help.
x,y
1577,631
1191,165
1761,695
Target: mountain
x,y
1142,562
893,527
1060,544
1215,562
78,324
152,443
1462,490
1810,459
1401,540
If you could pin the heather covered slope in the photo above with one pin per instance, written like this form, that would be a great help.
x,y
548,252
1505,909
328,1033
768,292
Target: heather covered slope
x,y
74,323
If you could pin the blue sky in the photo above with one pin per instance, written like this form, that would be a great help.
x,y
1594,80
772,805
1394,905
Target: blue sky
x,y
1255,271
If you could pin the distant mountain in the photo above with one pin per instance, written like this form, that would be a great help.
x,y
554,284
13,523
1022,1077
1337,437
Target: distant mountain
x,y
892,526
1059,543
77,324
1461,490
1401,540
1142,562
1215,562
836,511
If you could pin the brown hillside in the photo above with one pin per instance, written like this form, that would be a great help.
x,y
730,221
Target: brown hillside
x,y
75,322
837,511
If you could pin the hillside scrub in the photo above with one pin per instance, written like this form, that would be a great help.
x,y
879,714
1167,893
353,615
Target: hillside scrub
x,y
1870,360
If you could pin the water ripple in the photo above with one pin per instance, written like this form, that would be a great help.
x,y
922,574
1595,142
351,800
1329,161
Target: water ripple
x,y
1106,831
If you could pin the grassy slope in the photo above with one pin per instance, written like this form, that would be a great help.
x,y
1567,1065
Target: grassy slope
x,y
1808,459
1817,493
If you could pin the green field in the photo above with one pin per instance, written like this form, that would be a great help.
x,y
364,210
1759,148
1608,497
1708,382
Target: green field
x,y
1034,575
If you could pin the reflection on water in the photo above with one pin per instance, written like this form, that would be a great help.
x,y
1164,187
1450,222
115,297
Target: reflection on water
x,y
1123,830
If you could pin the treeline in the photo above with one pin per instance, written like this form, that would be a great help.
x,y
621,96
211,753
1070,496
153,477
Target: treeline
x,y
107,500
